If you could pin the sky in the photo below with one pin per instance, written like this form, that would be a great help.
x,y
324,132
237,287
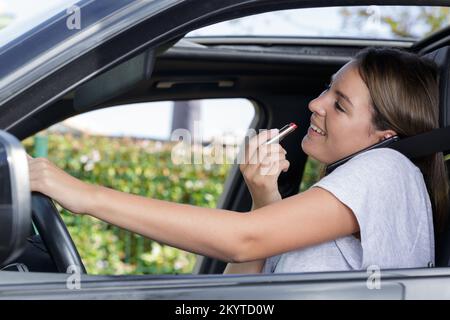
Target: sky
x,y
153,120
225,116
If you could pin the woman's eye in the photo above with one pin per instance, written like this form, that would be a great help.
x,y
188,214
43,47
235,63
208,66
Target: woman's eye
x,y
338,107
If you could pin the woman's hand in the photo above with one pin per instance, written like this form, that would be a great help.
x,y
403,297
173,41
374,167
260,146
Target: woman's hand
x,y
262,167
69,192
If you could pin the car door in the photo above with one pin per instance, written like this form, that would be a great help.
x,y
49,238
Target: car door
x,y
23,95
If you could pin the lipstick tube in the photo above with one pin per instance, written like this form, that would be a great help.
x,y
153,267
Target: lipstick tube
x,y
286,130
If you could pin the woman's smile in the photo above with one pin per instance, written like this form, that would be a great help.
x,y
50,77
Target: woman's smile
x,y
314,131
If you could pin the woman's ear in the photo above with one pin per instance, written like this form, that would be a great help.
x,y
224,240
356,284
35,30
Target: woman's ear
x,y
387,134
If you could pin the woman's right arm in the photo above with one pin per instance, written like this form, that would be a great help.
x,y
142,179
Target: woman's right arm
x,y
261,170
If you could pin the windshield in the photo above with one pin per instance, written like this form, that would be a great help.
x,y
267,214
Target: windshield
x,y
17,17
39,36
367,22
29,35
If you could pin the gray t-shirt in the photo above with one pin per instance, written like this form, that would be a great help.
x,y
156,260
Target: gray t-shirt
x,y
388,195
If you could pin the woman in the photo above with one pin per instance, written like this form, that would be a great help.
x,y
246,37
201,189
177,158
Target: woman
x,y
376,209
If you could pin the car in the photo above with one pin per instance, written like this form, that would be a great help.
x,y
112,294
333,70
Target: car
x,y
133,51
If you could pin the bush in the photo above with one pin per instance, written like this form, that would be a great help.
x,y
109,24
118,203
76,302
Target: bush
x,y
311,174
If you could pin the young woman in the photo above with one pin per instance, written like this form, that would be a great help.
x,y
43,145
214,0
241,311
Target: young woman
x,y
376,209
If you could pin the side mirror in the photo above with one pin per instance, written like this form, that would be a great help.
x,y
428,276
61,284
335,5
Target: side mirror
x,y
15,198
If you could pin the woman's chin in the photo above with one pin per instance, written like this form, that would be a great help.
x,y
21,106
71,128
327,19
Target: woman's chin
x,y
308,148
307,145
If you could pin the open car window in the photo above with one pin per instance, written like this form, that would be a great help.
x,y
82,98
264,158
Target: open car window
x,y
137,149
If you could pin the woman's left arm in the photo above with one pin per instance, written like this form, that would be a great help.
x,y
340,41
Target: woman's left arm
x,y
311,217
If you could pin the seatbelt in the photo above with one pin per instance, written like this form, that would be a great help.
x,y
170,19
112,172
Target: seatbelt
x,y
417,146
424,144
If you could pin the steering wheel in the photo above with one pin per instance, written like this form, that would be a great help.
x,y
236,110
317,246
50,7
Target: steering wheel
x,y
54,234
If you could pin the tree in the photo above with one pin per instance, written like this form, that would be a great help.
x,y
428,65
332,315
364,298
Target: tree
x,y
403,22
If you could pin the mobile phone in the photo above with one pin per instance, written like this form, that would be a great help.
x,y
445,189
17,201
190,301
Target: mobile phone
x,y
286,130
380,144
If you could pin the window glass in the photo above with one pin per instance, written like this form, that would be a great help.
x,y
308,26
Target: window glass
x,y
38,36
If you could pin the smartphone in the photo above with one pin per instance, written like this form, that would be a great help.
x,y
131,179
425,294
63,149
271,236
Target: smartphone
x,y
380,144
286,130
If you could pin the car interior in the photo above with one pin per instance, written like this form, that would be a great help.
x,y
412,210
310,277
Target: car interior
x,y
280,77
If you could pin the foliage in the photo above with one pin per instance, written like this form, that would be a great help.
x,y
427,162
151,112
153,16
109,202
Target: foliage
x,y
137,166
404,22
311,174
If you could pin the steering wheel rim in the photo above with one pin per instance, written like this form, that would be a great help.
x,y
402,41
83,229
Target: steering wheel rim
x,y
55,235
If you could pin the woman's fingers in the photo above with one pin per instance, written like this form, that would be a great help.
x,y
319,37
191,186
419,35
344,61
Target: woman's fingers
x,y
267,177
284,165
264,151
257,141
271,167
262,167
253,148
275,168
273,152
39,172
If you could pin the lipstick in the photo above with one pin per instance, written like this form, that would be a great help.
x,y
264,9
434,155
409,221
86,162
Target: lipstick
x,y
287,129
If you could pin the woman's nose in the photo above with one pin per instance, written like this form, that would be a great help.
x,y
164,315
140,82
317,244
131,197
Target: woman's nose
x,y
318,105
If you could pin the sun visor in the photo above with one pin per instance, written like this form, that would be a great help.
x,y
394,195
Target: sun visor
x,y
114,82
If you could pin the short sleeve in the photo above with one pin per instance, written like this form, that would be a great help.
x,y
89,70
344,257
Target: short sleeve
x,y
380,186
270,264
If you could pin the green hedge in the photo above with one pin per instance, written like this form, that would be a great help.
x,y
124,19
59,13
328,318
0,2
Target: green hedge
x,y
141,167
311,175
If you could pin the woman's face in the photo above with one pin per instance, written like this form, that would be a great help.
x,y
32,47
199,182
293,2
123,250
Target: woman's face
x,y
343,115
